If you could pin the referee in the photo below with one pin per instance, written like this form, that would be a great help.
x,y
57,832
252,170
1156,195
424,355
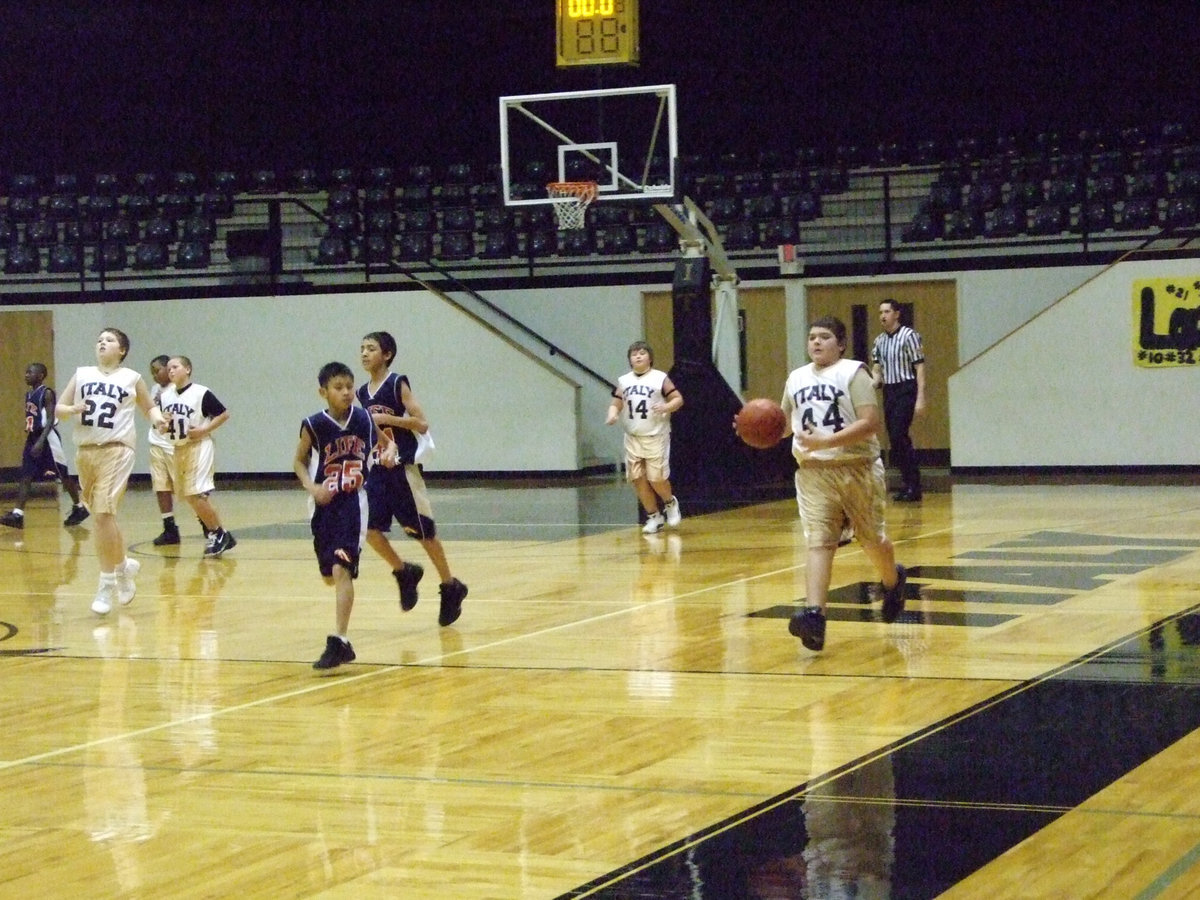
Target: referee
x,y
898,366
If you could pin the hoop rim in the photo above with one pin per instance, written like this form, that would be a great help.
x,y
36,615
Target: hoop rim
x,y
580,190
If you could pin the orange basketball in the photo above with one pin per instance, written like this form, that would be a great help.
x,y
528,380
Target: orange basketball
x,y
761,423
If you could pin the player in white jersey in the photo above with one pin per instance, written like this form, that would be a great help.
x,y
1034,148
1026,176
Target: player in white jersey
x,y
193,413
100,400
161,451
648,398
835,421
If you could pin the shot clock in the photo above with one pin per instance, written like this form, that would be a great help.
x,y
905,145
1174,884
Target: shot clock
x,y
597,32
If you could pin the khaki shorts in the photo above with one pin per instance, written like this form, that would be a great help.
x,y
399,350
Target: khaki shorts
x,y
648,456
829,496
160,469
193,467
104,471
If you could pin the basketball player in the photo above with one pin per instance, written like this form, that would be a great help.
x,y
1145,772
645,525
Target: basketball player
x,y
43,456
193,413
649,398
161,450
338,443
100,400
399,493
835,421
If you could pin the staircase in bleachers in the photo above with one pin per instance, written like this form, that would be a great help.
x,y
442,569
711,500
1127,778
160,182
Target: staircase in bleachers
x,y
128,228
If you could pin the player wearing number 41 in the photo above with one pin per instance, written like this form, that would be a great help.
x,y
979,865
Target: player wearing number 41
x,y
99,400
337,446
835,422
193,413
648,398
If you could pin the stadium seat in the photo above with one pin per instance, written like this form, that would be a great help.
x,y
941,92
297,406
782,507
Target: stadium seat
x,y
64,258
22,259
458,218
343,179
139,207
304,181
160,229
1003,221
183,182
416,195
378,247
925,226
123,229
543,242
61,207
1181,212
41,231
741,236
111,256
106,184
23,185
498,243
146,183
961,224
341,199
1139,213
21,208
380,221
415,245
264,181
150,255
1048,219
379,177
226,182
176,206
1096,215
418,220
379,197
1146,184
332,250
9,234
616,239
217,204
456,245
98,207
779,231
658,237
198,228
494,218
87,231
1186,182
193,255
346,224
724,210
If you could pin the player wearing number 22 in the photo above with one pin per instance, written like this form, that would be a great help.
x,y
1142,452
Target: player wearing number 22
x,y
332,459
193,413
835,421
99,400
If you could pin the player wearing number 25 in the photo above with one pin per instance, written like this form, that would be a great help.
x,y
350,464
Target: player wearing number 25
x,y
99,400
193,413
644,400
332,459
835,421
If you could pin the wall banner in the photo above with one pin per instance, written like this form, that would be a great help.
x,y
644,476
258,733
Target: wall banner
x,y
1166,322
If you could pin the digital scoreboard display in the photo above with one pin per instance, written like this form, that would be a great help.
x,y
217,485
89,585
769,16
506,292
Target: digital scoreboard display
x,y
597,32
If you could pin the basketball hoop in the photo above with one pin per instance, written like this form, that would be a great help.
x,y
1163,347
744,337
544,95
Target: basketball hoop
x,y
571,200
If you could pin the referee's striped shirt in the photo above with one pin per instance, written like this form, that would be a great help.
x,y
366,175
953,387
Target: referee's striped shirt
x,y
897,354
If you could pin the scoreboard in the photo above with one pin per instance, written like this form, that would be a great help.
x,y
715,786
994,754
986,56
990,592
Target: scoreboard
x,y
597,32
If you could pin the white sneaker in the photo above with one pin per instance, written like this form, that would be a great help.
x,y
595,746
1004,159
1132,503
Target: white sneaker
x,y
125,586
674,515
653,524
105,596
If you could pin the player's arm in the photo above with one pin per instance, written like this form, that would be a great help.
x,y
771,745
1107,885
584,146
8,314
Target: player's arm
x,y
614,408
919,368
66,407
673,399
415,420
49,405
147,405
215,414
304,449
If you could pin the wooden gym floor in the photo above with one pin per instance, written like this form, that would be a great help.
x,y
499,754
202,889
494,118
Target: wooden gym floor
x,y
614,715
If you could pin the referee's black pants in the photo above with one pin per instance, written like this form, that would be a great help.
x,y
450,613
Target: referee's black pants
x,y
899,404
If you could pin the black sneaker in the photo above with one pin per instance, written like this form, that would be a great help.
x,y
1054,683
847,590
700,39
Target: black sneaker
x,y
893,598
78,514
809,626
219,542
169,537
336,652
407,577
453,592
12,520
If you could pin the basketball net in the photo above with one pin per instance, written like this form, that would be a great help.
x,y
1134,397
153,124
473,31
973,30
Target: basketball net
x,y
571,200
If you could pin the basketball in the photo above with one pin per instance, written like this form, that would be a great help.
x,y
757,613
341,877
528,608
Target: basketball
x,y
761,423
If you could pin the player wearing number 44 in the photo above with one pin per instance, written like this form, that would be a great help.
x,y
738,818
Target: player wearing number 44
x,y
337,446
99,401
835,421
193,413
648,398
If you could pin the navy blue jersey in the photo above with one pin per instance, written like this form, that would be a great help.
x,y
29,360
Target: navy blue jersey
x,y
387,400
35,410
340,459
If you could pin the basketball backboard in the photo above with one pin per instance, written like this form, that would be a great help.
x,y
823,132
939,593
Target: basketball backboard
x,y
624,139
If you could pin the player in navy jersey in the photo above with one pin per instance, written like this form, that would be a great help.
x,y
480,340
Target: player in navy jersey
x,y
43,456
399,493
333,457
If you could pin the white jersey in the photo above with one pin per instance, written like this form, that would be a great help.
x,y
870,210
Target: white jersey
x,y
186,409
157,438
640,393
820,400
109,400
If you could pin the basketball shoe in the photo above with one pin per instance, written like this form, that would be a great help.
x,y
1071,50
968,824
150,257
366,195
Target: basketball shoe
x,y
453,593
337,651
78,514
407,577
809,626
105,596
654,523
673,513
126,589
893,598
